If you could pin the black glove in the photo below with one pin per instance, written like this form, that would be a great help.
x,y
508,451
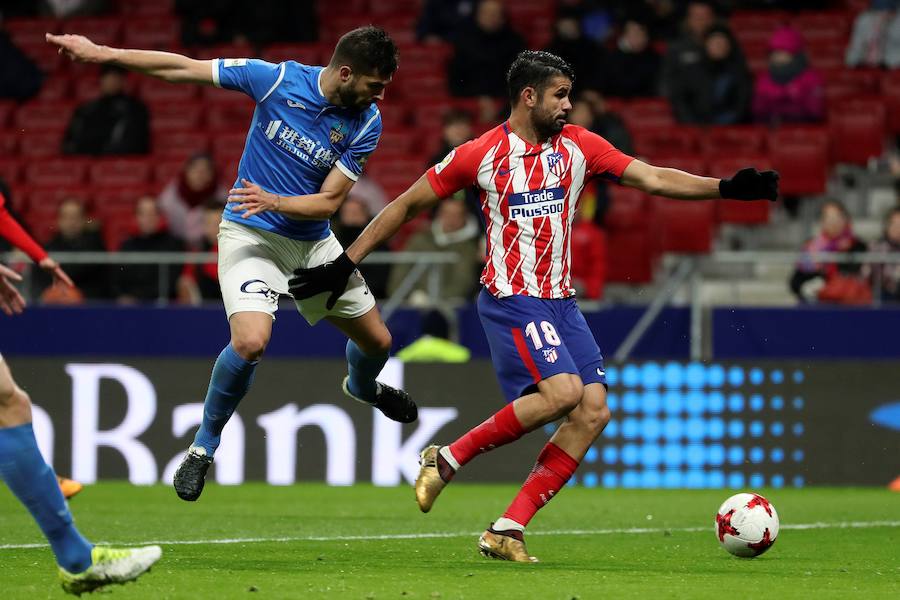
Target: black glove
x,y
328,277
750,184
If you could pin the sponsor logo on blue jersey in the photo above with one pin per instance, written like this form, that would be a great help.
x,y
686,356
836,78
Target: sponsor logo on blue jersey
x,y
537,203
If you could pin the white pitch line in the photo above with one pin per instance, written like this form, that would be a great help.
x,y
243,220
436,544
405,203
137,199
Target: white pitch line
x,y
457,534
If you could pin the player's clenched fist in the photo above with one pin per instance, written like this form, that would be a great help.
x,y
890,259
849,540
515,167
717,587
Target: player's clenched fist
x,y
78,47
750,184
328,277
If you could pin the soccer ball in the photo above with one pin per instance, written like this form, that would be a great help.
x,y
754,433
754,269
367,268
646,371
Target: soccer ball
x,y
746,525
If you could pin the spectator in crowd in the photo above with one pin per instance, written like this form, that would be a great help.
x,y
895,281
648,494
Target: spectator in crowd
x,y
483,50
452,230
632,69
456,130
831,282
604,122
441,18
582,53
66,9
716,90
588,257
76,234
888,275
790,91
114,123
876,36
200,282
20,78
686,52
183,199
230,22
367,191
136,282
349,221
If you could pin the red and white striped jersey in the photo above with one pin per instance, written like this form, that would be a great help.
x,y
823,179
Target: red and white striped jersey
x,y
528,196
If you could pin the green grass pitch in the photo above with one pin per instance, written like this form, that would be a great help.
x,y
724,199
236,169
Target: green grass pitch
x,y
312,541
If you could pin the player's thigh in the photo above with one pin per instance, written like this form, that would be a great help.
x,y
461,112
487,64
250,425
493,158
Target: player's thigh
x,y
15,406
356,301
526,348
582,345
250,332
250,275
368,331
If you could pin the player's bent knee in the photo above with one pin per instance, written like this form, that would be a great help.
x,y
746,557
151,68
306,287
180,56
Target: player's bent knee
x,y
378,344
15,406
564,395
250,346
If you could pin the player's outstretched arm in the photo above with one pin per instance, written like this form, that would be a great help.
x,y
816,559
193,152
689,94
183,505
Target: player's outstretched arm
x,y
746,184
165,65
332,276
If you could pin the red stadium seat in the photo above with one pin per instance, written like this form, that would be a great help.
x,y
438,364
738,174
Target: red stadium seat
x,y
394,116
691,163
684,226
54,88
7,108
117,226
800,154
647,114
389,7
120,172
825,55
10,169
847,83
176,116
833,26
41,116
629,208
108,200
46,57
165,171
424,87
216,95
857,127
630,256
307,54
739,211
30,32
398,141
9,142
42,144
742,139
156,91
101,30
676,140
227,146
146,9
57,172
152,33
225,51
766,21
230,116
179,144
890,90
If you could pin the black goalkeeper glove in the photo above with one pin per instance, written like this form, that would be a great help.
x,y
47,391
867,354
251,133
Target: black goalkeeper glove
x,y
328,277
750,184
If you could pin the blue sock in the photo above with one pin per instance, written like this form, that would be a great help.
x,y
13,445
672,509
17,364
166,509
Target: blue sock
x,y
231,378
33,482
363,370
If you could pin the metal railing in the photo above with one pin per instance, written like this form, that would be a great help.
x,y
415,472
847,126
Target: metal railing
x,y
424,264
688,271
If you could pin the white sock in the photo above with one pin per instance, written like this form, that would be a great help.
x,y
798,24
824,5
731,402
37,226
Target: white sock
x,y
448,456
504,524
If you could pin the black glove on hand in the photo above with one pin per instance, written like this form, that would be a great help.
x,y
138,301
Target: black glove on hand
x,y
750,184
328,277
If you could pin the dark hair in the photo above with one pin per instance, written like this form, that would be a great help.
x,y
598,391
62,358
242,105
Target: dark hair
x,y
456,115
535,69
366,50
835,204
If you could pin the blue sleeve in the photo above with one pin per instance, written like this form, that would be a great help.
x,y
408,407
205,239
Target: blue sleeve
x,y
353,159
255,77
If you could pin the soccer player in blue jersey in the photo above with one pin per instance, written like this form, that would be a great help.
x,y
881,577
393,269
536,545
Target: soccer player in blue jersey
x,y
310,136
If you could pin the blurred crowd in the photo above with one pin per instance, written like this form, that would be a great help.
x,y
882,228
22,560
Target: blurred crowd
x,y
684,51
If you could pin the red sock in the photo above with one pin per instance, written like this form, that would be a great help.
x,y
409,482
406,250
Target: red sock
x,y
502,428
550,473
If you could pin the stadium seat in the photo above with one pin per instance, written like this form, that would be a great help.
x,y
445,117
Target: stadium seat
x,y
741,139
825,55
176,116
766,21
7,108
397,141
42,116
225,51
307,54
677,140
890,90
179,144
105,31
228,145
9,142
46,57
847,83
739,211
152,32
692,163
54,88
430,115
115,172
10,169
41,144
156,91
394,116
146,9
630,256
857,127
647,114
215,95
30,32
684,226
800,154
423,87
628,209
230,116
389,7
57,172
165,171
821,26
108,200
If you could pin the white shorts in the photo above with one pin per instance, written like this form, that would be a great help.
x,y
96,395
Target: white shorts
x,y
255,266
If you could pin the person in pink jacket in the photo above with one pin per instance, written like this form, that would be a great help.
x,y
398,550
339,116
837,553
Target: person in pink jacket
x,y
790,91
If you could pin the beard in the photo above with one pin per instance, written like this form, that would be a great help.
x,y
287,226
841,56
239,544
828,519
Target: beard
x,y
546,124
350,99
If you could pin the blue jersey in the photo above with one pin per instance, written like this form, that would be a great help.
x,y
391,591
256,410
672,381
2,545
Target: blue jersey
x,y
295,138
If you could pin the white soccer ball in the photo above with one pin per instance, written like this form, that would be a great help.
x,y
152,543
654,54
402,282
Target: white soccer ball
x,y
746,525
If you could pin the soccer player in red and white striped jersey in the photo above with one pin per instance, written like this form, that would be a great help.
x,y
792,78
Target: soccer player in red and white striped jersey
x,y
530,172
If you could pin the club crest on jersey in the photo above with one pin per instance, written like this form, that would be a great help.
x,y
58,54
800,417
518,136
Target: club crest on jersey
x,y
556,164
338,132
537,203
550,355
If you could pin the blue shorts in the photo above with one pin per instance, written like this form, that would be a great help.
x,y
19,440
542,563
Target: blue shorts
x,y
532,339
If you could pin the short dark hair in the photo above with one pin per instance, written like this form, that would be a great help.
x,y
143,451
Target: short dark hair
x,y
535,69
367,50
